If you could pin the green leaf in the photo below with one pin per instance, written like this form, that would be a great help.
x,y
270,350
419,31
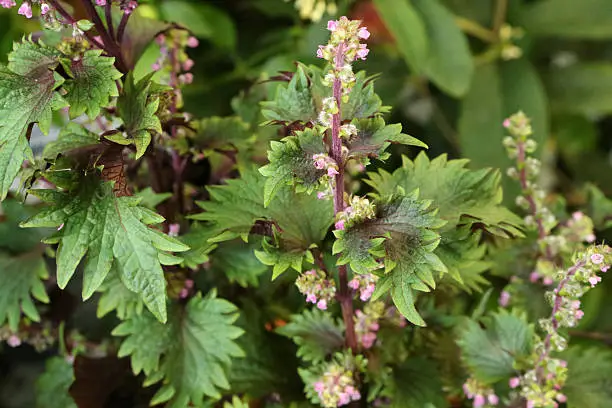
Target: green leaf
x,y
229,134
234,208
71,137
403,236
291,163
137,108
108,229
561,18
463,196
238,263
374,137
600,208
409,30
425,388
588,380
496,93
191,353
462,253
449,63
363,102
581,88
151,199
27,95
490,353
282,259
203,20
198,239
92,83
21,280
317,334
53,385
293,102
13,238
116,296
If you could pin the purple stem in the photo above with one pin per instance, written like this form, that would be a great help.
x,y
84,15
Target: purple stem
x,y
344,295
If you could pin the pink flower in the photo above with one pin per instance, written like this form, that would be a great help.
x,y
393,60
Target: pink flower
x,y
577,215
320,52
561,398
506,123
7,3
332,25
44,8
466,391
319,161
25,10
13,341
504,298
597,258
579,314
186,78
479,401
322,304
321,195
319,386
590,238
60,227
534,276
189,283
332,171
366,293
368,339
343,399
156,66
192,42
160,39
363,33
174,229
514,382
353,284
493,399
530,404
604,268
184,293
353,392
311,298
187,65
101,2
594,280
363,51
339,225
547,280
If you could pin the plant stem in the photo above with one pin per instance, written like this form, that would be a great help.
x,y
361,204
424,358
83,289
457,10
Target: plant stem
x,y
70,20
108,13
344,295
499,15
476,30
122,26
556,306
533,209
109,43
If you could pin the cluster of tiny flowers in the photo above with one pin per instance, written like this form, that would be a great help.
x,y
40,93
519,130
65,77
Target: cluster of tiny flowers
x,y
366,323
188,286
337,386
480,395
25,9
323,162
318,289
360,209
128,6
541,385
507,35
343,49
174,59
314,9
527,169
40,336
364,285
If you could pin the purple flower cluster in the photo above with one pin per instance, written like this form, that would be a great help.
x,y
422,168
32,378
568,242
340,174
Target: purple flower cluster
x,y
364,285
323,162
318,289
480,395
336,387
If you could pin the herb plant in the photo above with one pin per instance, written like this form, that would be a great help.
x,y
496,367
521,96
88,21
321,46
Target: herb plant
x,y
301,252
